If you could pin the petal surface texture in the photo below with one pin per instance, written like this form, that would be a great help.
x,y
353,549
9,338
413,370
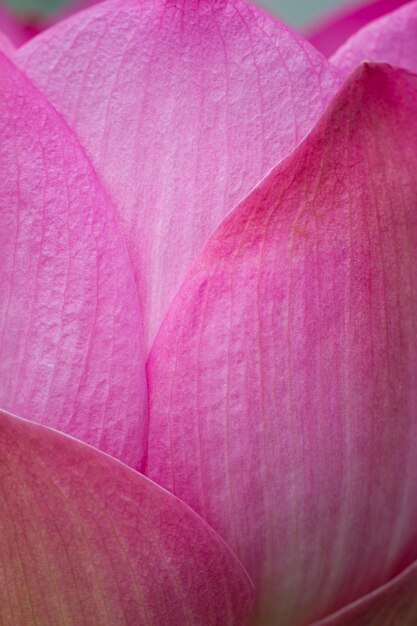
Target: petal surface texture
x,y
6,46
334,32
394,604
71,349
391,39
87,541
183,107
283,381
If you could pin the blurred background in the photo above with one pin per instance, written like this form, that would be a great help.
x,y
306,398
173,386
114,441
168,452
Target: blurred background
x,y
295,12
299,12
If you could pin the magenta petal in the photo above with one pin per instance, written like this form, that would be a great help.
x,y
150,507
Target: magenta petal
x,y
330,34
393,604
86,541
12,28
71,350
183,109
390,39
283,382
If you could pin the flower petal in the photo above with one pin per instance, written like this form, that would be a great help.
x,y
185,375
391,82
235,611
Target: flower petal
x,y
6,46
333,32
390,39
394,604
11,28
283,382
71,350
183,108
86,541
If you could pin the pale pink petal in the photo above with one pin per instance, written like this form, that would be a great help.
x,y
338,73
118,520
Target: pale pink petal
x,y
390,39
183,108
71,348
86,541
393,604
283,382
328,35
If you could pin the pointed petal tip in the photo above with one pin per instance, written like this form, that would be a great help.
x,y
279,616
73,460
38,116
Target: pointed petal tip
x,y
197,86
283,380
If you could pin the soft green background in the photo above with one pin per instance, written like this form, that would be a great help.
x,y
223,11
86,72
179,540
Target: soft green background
x,y
296,12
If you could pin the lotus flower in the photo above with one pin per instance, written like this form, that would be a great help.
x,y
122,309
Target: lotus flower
x,y
208,318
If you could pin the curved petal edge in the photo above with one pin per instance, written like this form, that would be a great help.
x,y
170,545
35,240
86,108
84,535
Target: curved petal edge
x,y
183,109
393,604
283,381
85,540
390,39
331,33
71,345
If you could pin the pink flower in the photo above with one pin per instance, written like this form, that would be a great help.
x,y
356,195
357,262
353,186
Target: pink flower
x,y
208,237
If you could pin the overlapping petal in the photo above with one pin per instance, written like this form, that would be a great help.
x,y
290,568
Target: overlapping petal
x,y
71,348
332,33
86,541
394,604
183,107
390,39
283,382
